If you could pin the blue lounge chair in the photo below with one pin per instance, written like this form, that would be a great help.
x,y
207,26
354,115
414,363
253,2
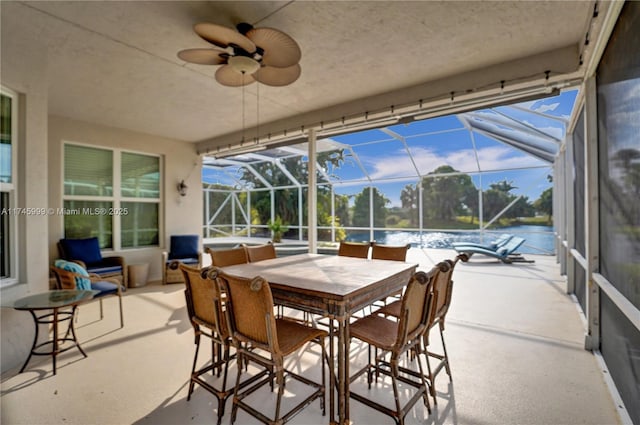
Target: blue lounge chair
x,y
505,253
494,245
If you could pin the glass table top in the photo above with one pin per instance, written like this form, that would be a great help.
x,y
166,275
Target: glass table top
x,y
52,299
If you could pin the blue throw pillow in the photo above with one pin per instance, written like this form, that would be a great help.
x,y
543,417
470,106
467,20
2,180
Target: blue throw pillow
x,y
85,250
82,283
183,246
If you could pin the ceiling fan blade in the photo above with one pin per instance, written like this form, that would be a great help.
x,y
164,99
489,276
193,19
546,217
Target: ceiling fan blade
x,y
223,36
273,76
227,76
280,50
203,56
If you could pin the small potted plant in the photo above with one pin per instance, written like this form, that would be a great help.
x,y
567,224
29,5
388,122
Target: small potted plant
x,y
277,229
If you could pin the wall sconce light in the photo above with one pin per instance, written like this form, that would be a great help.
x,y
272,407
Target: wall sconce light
x,y
182,188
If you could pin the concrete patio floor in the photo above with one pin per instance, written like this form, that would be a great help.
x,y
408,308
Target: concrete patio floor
x,y
515,341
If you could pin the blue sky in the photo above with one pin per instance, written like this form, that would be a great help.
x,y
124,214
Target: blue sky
x,y
446,141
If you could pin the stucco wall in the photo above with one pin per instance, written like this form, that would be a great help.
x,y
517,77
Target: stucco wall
x,y
24,70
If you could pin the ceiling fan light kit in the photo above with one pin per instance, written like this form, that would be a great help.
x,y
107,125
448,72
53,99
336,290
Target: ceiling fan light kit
x,y
247,54
243,64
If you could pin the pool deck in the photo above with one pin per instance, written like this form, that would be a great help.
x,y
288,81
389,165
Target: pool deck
x,y
515,341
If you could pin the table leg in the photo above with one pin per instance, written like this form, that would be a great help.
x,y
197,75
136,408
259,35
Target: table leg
x,y
54,352
35,340
53,319
73,331
343,378
332,374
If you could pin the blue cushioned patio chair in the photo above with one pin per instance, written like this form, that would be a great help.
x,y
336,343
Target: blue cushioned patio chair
x,y
183,249
506,253
86,252
70,275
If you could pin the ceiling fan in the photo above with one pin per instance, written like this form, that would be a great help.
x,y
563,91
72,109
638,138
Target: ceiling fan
x,y
249,54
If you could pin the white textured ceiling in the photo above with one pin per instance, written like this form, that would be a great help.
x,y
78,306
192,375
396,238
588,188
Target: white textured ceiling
x,y
115,63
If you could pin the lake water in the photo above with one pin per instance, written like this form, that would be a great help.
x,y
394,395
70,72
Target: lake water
x,y
538,239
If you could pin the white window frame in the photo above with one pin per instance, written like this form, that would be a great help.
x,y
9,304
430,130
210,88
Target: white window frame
x,y
117,198
12,190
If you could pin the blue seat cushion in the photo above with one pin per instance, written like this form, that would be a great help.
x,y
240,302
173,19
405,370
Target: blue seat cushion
x,y
105,270
86,250
183,246
104,287
185,261
82,282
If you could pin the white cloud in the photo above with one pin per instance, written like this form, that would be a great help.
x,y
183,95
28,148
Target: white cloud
x,y
398,164
545,108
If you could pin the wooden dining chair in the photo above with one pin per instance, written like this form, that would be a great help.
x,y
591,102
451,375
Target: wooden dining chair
x,y
444,287
200,293
260,252
392,253
261,338
228,257
389,252
354,249
393,338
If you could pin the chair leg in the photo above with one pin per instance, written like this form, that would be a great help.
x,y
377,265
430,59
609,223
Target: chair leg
x,y
234,409
121,314
193,368
101,310
444,351
430,376
394,382
280,382
427,388
222,401
324,386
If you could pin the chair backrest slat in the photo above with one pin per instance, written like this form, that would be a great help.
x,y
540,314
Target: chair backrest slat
x,y
354,249
201,292
250,310
64,279
228,257
441,288
260,252
388,252
416,307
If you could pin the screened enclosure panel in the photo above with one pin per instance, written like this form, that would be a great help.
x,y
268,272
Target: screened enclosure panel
x,y
401,162
495,156
433,150
578,186
428,126
618,87
387,159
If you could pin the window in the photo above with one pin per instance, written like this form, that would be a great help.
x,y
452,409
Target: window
x,y
111,194
9,212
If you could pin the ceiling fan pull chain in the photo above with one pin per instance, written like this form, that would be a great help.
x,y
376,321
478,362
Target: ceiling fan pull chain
x,y
243,126
258,113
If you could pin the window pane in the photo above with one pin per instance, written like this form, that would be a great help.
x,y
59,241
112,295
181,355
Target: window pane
x,y
85,219
5,237
88,171
139,224
140,176
5,139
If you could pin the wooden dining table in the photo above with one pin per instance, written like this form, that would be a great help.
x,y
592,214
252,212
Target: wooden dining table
x,y
334,287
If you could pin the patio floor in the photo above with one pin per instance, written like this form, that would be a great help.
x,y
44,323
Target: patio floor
x,y
515,341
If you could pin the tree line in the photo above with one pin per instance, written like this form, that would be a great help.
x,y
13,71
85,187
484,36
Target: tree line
x,y
447,195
